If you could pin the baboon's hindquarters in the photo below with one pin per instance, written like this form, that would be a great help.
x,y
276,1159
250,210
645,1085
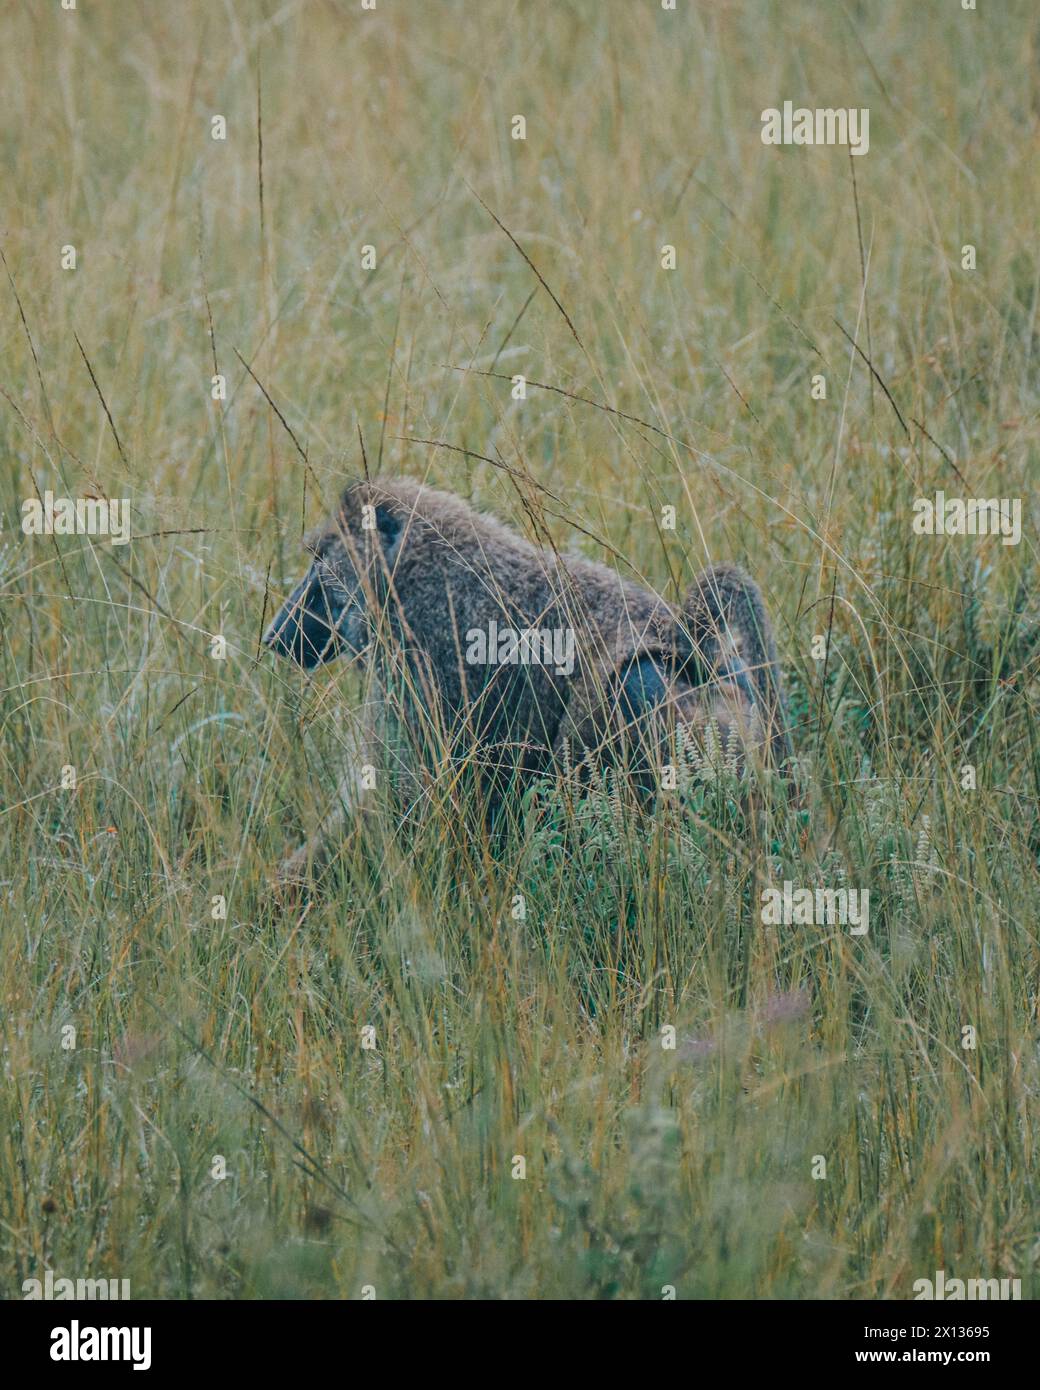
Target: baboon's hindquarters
x,y
733,642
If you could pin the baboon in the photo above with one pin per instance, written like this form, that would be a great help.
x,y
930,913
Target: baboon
x,y
490,653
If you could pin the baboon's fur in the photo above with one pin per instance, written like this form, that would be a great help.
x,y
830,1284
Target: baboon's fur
x,y
403,573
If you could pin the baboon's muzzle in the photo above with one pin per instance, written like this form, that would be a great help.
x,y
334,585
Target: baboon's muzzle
x,y
306,628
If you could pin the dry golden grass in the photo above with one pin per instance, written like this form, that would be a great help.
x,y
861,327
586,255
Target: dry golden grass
x,y
241,1037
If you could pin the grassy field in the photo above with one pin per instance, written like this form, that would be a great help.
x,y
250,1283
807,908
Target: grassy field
x,y
196,1038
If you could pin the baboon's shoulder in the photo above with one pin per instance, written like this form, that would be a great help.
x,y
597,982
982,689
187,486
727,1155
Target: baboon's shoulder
x,y
431,516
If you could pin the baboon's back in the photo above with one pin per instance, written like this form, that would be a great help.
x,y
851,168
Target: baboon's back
x,y
459,574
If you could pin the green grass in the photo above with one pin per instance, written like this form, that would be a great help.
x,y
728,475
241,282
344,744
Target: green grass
x,y
497,1037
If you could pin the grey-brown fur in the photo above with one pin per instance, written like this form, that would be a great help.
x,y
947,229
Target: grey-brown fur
x,y
403,585
726,617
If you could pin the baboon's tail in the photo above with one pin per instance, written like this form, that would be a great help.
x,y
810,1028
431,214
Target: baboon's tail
x,y
733,639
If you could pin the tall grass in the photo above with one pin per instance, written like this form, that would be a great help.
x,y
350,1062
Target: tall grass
x,y
504,1032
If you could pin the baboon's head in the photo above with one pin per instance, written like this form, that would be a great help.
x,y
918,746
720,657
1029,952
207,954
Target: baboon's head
x,y
327,614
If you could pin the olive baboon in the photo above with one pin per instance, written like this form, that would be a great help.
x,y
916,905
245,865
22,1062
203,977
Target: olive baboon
x,y
489,652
